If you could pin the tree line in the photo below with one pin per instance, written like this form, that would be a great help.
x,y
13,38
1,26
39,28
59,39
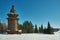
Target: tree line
x,y
28,27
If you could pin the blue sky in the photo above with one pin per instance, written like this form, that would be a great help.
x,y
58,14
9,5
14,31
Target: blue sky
x,y
37,11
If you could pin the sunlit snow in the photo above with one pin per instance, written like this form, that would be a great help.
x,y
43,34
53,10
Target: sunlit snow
x,y
31,36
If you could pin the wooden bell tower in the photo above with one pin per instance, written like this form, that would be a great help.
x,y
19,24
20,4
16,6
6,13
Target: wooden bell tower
x,y
12,21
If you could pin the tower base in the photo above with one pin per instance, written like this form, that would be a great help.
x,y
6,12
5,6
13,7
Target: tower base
x,y
14,32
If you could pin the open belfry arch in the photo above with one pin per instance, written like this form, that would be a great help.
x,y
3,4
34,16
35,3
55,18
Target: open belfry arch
x,y
12,21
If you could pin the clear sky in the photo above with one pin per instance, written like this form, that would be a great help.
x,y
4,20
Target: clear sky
x,y
37,11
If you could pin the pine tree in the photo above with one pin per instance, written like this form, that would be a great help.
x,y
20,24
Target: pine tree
x,y
49,29
45,30
1,28
28,27
36,30
31,27
41,29
25,26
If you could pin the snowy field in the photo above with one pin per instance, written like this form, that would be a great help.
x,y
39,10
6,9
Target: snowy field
x,y
33,36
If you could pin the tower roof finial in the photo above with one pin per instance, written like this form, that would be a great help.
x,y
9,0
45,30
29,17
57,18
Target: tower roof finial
x,y
12,9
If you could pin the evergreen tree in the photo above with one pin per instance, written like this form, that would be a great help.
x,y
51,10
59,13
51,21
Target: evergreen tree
x,y
25,26
52,30
45,30
1,28
49,29
28,27
36,30
41,30
31,27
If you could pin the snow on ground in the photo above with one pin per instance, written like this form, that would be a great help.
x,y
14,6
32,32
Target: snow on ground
x,y
34,36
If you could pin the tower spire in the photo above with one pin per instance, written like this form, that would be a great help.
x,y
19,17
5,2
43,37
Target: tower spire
x,y
13,9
